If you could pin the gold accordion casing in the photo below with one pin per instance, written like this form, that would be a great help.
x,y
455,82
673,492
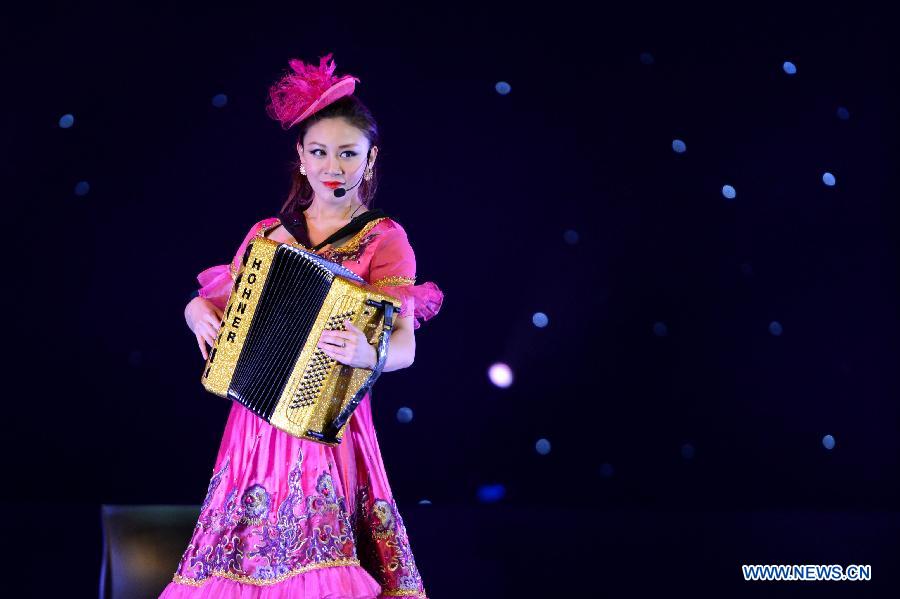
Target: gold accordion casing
x,y
265,355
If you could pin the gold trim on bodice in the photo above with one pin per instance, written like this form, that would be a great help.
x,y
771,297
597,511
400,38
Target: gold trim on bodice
x,y
350,246
395,281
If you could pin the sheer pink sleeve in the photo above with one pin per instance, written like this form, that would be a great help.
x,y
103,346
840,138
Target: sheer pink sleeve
x,y
393,271
216,282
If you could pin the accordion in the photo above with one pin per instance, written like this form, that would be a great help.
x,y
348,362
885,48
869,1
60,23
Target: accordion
x,y
265,356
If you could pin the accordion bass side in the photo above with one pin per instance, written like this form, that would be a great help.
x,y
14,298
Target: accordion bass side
x,y
265,356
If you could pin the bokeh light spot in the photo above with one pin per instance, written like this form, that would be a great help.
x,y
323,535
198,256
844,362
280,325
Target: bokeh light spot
x,y
82,188
500,374
491,493
404,415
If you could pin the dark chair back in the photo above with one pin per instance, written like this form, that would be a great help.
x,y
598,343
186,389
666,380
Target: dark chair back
x,y
142,545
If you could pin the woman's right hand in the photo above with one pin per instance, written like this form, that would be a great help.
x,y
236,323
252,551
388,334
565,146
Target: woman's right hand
x,y
204,319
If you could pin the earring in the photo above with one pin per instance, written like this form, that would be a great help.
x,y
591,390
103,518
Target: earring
x,y
302,169
368,174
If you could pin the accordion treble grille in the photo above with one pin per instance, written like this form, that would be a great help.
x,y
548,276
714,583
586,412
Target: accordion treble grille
x,y
286,312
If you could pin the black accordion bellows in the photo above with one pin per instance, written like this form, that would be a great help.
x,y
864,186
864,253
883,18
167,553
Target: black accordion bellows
x,y
265,356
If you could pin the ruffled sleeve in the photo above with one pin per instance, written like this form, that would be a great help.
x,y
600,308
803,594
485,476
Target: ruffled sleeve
x,y
216,282
393,271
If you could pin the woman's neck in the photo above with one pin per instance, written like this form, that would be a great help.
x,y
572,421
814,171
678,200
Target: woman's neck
x,y
332,211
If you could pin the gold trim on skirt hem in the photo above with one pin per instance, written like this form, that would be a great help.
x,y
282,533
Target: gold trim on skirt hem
x,y
261,581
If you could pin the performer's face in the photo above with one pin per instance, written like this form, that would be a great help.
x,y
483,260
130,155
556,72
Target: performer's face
x,y
334,150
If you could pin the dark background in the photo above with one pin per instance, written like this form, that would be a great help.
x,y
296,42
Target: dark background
x,y
104,403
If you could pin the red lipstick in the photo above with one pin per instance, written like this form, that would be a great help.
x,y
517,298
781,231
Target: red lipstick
x,y
333,184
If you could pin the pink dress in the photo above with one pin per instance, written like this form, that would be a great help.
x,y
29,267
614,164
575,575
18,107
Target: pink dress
x,y
285,517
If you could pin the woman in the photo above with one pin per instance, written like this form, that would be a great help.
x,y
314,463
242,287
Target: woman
x,y
286,517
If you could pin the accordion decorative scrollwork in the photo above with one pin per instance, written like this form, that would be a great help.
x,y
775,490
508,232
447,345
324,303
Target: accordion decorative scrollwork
x,y
266,356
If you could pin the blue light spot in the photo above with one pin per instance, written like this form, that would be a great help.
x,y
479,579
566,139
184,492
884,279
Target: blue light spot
x,y
775,328
606,470
828,179
540,320
424,502
679,146
219,100
66,121
747,269
82,188
542,446
491,493
660,329
843,113
571,237
503,88
828,442
729,192
789,68
404,415
647,58
687,451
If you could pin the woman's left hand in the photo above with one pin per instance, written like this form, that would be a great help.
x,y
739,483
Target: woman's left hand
x,y
349,347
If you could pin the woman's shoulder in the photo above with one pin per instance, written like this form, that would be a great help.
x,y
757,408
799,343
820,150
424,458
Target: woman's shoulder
x,y
387,224
266,223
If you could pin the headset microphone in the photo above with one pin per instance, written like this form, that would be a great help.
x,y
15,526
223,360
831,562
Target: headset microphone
x,y
341,192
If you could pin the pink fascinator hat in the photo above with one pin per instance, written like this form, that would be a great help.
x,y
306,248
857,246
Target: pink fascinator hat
x,y
306,90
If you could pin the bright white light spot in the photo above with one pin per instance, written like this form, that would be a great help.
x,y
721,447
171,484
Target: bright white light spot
x,y
500,374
